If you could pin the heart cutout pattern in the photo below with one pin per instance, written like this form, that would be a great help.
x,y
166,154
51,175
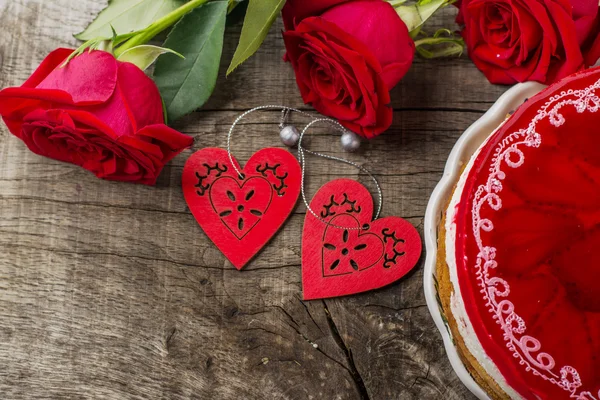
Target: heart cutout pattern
x,y
240,215
339,262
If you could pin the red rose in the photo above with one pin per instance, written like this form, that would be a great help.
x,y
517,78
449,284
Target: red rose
x,y
530,40
96,112
295,11
347,60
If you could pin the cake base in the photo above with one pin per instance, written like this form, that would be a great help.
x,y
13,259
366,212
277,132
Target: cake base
x,y
445,291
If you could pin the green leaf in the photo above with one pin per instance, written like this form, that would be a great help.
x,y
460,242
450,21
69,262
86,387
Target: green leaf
x,y
186,84
396,3
259,17
127,16
233,4
144,55
415,15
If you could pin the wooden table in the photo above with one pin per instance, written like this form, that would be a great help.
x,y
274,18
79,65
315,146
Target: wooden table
x,y
111,290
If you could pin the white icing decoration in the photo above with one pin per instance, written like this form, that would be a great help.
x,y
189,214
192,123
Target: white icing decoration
x,y
495,290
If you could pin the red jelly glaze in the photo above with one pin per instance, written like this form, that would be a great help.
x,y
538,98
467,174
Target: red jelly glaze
x,y
547,236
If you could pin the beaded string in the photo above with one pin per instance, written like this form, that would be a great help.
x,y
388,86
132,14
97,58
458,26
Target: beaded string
x,y
285,113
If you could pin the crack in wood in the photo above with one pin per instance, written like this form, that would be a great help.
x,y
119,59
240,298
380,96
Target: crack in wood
x,y
309,341
310,315
92,204
395,309
258,328
112,254
170,337
426,379
134,257
272,268
316,347
287,314
358,381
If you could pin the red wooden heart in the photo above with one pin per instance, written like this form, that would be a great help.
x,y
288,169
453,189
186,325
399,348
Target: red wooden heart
x,y
240,215
338,262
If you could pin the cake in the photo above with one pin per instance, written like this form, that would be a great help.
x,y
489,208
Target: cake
x,y
518,266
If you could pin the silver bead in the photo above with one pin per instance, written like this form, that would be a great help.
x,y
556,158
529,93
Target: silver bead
x,y
350,141
289,135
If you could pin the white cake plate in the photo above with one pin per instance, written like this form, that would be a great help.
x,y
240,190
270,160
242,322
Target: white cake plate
x,y
464,148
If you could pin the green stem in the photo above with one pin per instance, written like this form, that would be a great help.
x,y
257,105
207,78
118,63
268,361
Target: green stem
x,y
423,41
144,36
435,47
438,40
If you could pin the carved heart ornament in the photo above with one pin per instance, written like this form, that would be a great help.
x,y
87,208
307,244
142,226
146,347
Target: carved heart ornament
x,y
241,214
365,255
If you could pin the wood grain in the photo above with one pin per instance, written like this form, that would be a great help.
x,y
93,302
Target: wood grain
x,y
112,291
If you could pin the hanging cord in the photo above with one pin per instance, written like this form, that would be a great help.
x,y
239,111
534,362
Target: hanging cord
x,y
301,152
285,114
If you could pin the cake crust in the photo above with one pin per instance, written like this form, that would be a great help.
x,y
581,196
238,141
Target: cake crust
x,y
445,292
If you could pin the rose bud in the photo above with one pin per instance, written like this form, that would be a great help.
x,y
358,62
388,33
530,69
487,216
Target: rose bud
x,y
348,59
530,40
96,112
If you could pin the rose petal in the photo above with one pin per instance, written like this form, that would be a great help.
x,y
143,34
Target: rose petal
x,y
294,11
89,78
369,22
169,140
140,96
52,61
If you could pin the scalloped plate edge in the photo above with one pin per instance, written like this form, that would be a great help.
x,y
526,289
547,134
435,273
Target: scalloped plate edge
x,y
462,151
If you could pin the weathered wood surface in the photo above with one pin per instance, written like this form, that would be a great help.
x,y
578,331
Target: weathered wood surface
x,y
111,290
